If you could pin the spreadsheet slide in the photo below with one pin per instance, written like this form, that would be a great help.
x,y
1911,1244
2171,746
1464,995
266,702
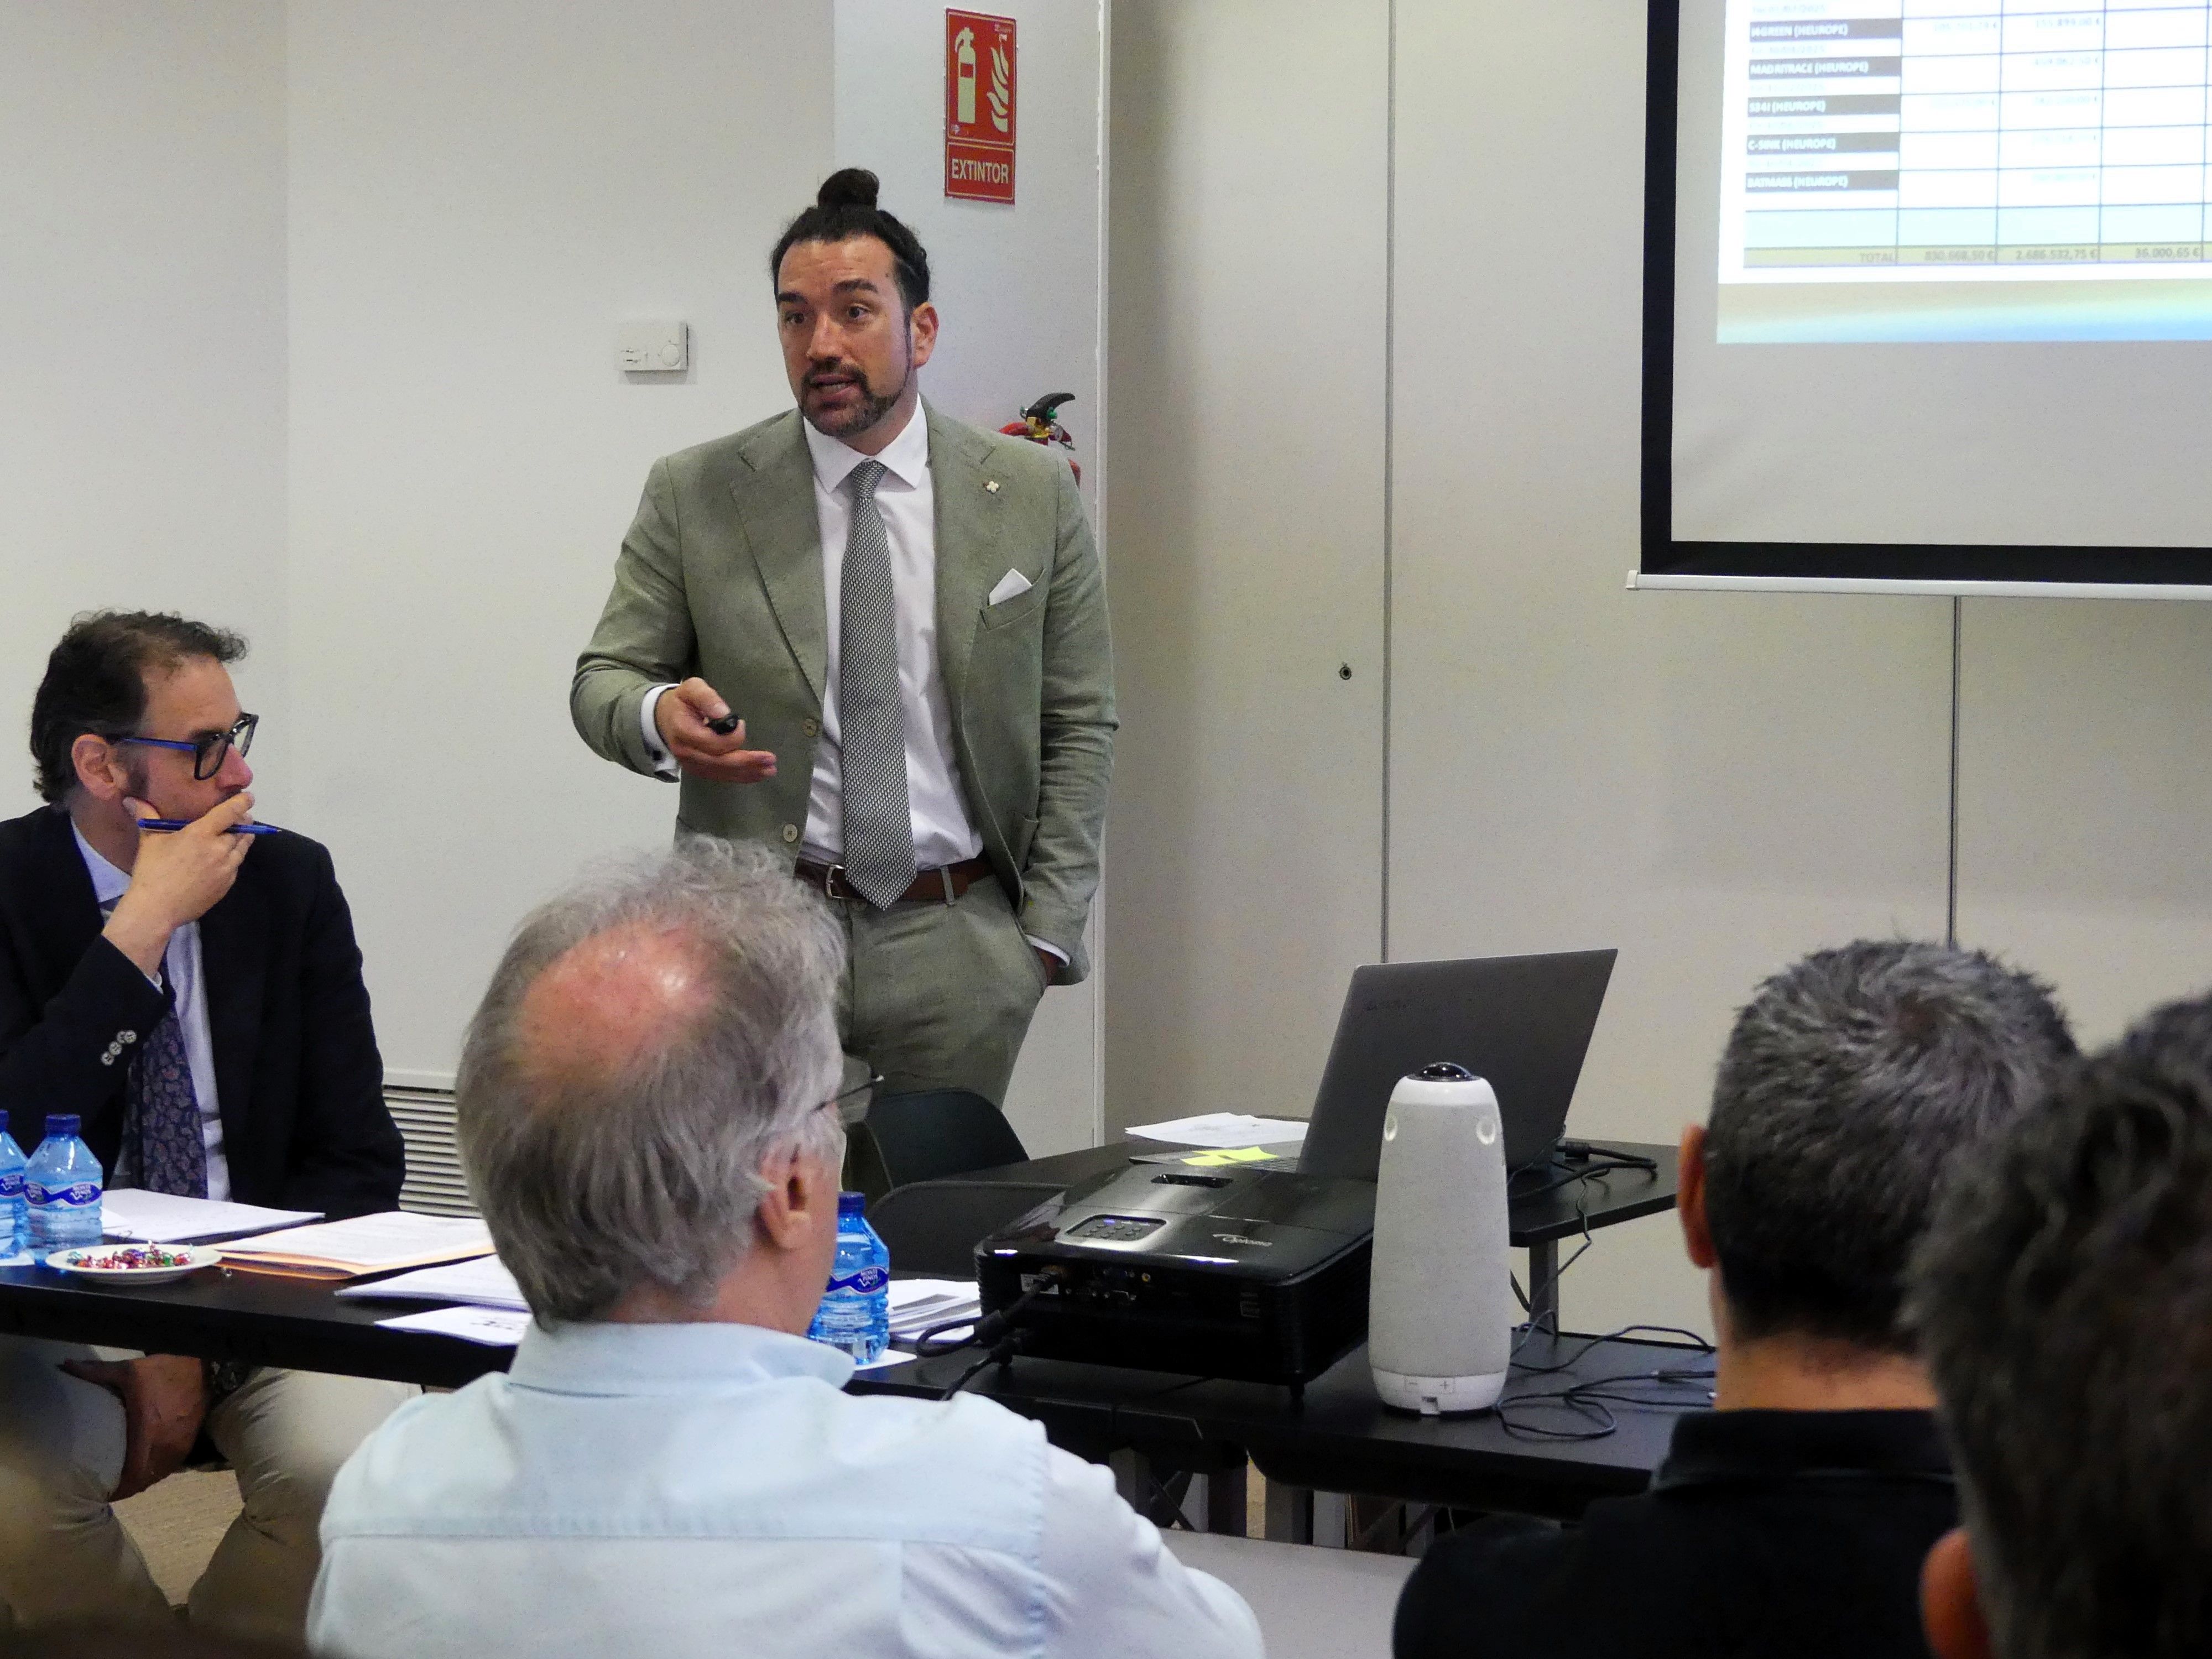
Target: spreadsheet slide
x,y
1965,170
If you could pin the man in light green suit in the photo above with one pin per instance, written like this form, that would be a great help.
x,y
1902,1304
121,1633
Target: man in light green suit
x,y
876,640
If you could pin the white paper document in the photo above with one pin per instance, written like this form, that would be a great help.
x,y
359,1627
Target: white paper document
x,y
495,1328
166,1219
918,1303
1226,1129
912,1295
396,1238
482,1281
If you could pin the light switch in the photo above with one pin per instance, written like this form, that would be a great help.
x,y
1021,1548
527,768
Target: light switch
x,y
653,346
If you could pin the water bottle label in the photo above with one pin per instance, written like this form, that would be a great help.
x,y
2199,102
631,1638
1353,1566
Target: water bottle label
x,y
861,1281
77,1195
11,1185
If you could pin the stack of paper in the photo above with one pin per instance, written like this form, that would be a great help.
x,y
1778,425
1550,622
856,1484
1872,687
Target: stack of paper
x,y
916,1304
482,1282
919,1304
1225,1129
366,1244
131,1212
495,1328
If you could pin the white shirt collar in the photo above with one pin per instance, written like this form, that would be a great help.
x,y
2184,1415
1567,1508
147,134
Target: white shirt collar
x,y
906,458
600,1356
108,883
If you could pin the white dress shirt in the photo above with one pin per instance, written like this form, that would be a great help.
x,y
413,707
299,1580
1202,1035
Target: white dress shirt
x,y
906,496
706,1490
180,969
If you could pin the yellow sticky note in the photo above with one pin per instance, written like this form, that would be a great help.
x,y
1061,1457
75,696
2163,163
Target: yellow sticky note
x,y
1227,1155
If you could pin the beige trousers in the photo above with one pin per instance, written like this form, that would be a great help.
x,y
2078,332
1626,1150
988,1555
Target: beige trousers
x,y
65,1555
937,995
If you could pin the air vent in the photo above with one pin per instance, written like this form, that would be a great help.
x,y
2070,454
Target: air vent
x,y
434,1185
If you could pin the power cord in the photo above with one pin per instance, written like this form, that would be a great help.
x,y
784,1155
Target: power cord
x,y
985,1332
998,1334
1001,1353
1584,1162
1592,1400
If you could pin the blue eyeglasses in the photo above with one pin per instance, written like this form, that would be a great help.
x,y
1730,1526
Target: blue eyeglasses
x,y
211,748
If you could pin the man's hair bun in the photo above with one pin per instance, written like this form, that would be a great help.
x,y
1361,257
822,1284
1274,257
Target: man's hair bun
x,y
848,187
845,207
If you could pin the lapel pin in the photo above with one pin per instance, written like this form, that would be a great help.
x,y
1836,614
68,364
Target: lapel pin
x,y
991,484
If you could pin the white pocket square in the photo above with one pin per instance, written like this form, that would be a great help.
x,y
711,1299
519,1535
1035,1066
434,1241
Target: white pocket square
x,y
1012,586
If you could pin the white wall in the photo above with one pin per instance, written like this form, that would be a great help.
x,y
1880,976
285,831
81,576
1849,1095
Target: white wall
x,y
1715,787
1019,290
1246,339
479,194
141,328
309,313
1714,783
2086,797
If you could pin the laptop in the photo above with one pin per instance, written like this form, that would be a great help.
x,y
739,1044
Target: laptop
x,y
1522,1023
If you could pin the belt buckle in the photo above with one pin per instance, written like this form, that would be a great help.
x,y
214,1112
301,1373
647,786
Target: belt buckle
x,y
832,875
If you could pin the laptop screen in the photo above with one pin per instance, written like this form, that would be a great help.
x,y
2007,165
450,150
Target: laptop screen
x,y
1522,1023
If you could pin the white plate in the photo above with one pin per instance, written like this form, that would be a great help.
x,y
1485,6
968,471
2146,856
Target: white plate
x,y
73,1262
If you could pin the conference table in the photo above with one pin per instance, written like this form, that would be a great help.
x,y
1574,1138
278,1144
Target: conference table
x,y
1337,1438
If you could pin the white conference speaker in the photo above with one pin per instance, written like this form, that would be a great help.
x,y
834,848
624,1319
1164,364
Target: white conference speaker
x,y
1441,1311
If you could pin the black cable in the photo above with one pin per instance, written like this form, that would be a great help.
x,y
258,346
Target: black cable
x,y
1001,1353
988,1329
1697,1342
1593,1399
926,1339
1527,1304
1597,1166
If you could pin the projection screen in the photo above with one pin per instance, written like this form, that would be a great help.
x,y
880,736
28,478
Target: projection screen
x,y
1928,301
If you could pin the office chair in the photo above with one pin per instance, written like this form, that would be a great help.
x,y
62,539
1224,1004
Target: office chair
x,y
934,1227
935,1133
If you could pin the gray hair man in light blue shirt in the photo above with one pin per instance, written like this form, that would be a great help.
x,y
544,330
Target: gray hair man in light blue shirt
x,y
671,1467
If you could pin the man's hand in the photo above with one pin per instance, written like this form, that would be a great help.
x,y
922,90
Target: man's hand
x,y
1051,965
165,1399
681,718
178,877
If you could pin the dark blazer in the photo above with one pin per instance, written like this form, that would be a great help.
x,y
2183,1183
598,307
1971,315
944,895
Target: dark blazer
x,y
1781,1534
301,1084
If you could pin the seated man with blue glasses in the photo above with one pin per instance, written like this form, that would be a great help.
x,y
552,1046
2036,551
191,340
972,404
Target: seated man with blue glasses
x,y
194,995
671,1467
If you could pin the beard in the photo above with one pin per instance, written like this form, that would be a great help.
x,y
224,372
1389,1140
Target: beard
x,y
859,417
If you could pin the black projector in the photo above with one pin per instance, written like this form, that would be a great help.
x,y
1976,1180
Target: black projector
x,y
1257,1274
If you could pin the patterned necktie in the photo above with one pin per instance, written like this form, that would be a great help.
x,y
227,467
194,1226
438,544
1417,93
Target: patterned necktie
x,y
871,713
162,1150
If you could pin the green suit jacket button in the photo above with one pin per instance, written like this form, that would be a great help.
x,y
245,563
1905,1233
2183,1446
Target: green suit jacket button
x,y
811,727
790,832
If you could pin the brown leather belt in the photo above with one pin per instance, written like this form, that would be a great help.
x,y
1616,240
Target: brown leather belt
x,y
943,884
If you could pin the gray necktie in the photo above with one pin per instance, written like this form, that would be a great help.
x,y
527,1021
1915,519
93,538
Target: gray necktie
x,y
871,713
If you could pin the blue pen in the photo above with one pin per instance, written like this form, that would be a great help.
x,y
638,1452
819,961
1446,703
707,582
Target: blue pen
x,y
235,829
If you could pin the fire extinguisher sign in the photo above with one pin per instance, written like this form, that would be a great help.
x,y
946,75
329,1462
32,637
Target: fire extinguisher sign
x,y
979,106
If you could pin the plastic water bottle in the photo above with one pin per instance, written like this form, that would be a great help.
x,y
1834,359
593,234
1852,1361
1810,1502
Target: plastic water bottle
x,y
61,1187
856,1314
15,1230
